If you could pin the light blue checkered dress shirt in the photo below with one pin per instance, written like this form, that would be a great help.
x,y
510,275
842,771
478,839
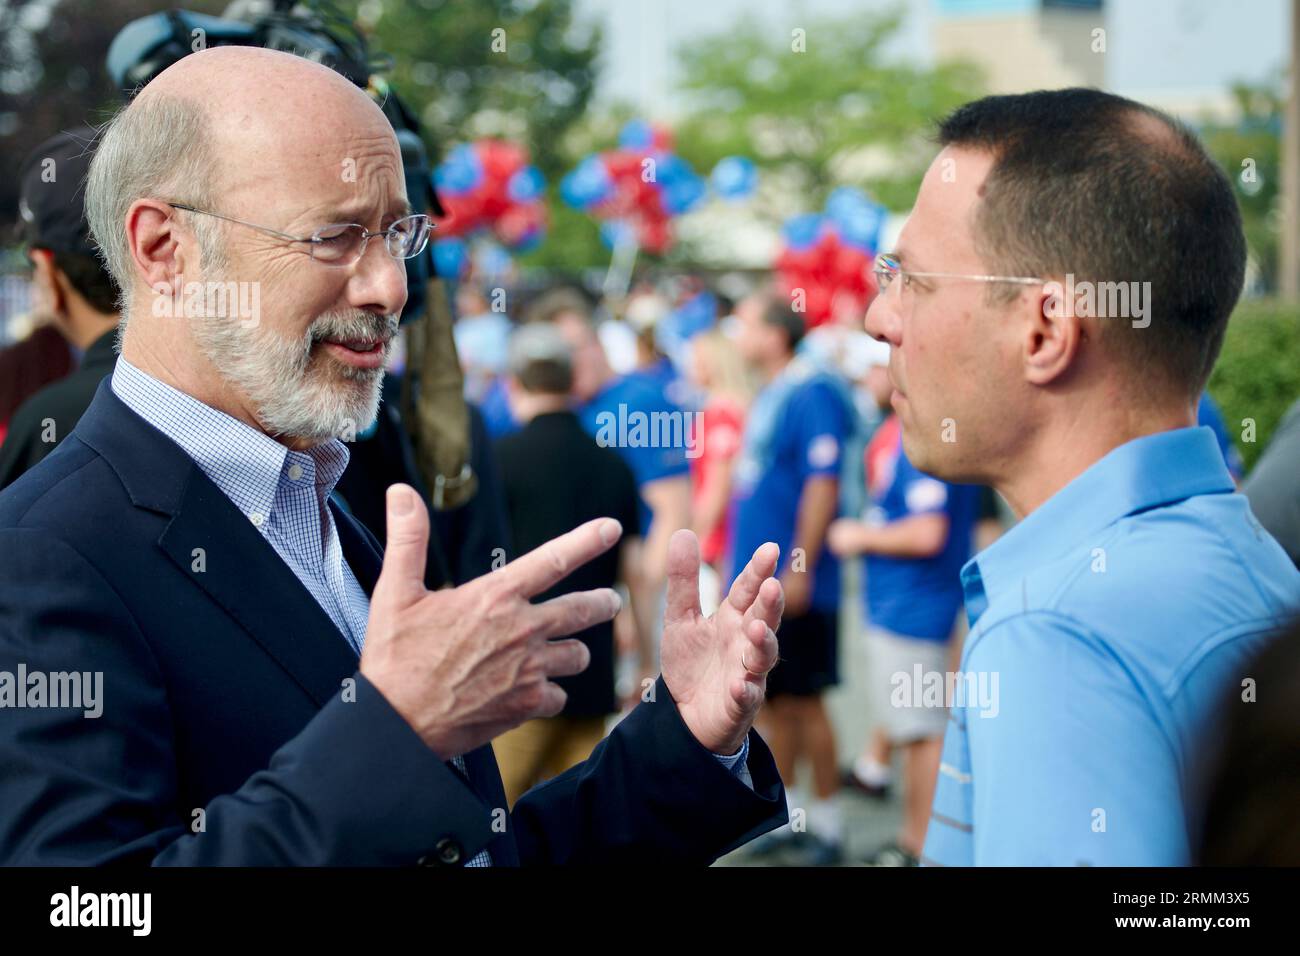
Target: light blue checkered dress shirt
x,y
282,492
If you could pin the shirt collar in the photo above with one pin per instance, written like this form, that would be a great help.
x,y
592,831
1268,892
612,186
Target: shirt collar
x,y
246,464
1144,473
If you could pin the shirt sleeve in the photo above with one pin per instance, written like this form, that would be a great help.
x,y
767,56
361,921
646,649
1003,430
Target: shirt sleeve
x,y
921,493
821,425
738,764
1069,763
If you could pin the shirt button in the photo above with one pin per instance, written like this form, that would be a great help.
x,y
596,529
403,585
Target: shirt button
x,y
256,518
446,852
295,472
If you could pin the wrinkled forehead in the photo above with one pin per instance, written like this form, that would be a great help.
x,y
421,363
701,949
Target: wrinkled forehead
x,y
940,232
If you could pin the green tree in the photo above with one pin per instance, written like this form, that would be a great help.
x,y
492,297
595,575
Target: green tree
x,y
53,75
1249,149
521,69
819,103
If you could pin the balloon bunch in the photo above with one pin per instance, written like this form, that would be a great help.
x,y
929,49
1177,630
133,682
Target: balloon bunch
x,y
635,190
488,186
826,258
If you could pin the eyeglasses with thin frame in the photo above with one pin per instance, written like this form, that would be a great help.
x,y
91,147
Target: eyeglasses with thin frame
x,y
887,268
343,243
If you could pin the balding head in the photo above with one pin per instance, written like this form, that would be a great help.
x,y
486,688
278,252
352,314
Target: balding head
x,y
288,147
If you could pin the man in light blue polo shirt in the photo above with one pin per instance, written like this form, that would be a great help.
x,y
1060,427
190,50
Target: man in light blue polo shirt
x,y
1055,304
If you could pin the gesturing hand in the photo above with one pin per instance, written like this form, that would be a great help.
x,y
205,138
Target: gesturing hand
x,y
716,667
464,665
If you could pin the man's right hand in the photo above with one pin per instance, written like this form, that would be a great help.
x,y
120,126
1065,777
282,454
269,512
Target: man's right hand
x,y
466,664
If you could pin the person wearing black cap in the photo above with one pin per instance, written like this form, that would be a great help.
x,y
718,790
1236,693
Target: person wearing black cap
x,y
71,286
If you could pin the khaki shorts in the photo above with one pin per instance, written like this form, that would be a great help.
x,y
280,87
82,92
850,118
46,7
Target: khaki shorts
x,y
901,709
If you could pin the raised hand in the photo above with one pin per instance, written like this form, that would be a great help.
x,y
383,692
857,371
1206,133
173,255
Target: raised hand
x,y
466,664
716,667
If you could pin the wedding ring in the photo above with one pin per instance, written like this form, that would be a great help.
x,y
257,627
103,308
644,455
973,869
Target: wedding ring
x,y
748,668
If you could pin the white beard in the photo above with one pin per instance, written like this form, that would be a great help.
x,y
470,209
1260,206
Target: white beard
x,y
299,392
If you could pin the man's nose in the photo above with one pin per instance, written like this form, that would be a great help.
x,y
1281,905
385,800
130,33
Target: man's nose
x,y
883,320
378,283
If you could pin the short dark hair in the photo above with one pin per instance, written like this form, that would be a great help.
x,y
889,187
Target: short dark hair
x,y
554,302
777,313
1111,190
88,276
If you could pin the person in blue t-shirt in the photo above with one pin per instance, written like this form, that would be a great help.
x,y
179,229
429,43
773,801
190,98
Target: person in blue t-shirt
x,y
786,489
916,535
652,436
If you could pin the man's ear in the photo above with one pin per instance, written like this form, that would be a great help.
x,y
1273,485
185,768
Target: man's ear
x,y
1054,333
46,273
155,241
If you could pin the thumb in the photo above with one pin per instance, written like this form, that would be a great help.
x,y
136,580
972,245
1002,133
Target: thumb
x,y
683,600
402,579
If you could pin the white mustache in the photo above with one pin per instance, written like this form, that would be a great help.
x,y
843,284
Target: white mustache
x,y
352,325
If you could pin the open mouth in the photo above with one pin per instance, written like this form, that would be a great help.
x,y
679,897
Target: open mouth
x,y
360,353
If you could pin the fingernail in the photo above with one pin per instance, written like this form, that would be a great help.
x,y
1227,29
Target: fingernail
x,y
616,601
399,501
609,531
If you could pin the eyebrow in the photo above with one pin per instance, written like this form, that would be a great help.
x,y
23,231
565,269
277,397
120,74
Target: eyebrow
x,y
398,210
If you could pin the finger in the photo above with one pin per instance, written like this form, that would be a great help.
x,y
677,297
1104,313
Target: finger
x,y
747,695
683,600
556,559
769,605
745,588
571,613
553,700
401,580
564,658
761,650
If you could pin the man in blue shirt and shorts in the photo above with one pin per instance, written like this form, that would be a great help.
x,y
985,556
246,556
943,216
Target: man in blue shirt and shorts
x,y
786,489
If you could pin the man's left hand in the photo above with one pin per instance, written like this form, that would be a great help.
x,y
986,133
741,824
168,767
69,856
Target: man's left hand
x,y
716,667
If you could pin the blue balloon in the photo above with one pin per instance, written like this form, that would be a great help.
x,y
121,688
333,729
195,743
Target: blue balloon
x,y
802,231
681,195
636,134
857,219
449,257
587,184
671,169
735,177
460,173
526,184
843,200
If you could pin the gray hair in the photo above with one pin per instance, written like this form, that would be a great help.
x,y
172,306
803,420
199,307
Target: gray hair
x,y
155,147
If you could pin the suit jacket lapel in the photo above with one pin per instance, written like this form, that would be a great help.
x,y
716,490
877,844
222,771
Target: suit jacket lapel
x,y
243,573
237,567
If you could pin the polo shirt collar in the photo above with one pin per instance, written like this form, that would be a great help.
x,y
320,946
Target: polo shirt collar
x,y
1141,474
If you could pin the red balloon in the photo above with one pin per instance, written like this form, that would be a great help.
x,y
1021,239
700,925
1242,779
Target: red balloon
x,y
655,236
517,222
500,159
464,214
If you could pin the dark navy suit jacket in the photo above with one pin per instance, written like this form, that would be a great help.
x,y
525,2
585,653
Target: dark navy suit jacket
x,y
236,728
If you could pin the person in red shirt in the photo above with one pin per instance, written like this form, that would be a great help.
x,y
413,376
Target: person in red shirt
x,y
718,371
